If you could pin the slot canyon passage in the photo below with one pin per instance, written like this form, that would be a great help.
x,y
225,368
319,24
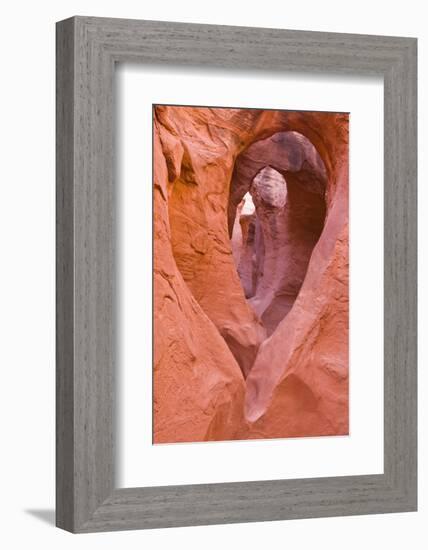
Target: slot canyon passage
x,y
251,300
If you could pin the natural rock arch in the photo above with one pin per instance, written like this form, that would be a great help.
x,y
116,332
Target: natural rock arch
x,y
287,180
197,376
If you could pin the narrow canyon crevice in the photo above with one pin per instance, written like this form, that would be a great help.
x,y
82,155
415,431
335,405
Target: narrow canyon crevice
x,y
278,221
250,274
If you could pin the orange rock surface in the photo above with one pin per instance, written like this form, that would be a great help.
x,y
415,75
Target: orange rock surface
x,y
226,367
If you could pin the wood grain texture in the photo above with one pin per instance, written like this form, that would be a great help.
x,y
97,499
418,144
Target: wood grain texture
x,y
64,276
87,49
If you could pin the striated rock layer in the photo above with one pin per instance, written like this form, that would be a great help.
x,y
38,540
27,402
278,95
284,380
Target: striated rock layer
x,y
271,361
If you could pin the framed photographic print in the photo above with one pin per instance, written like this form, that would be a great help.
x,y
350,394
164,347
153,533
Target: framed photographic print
x,y
236,274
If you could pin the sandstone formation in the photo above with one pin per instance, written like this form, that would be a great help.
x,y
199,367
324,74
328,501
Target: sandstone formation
x,y
262,353
196,378
290,214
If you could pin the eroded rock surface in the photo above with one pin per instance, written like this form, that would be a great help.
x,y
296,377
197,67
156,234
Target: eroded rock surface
x,y
289,218
225,368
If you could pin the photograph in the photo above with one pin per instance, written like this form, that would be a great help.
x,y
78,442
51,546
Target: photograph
x,y
250,262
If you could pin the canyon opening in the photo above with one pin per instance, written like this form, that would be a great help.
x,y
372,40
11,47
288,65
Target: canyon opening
x,y
251,261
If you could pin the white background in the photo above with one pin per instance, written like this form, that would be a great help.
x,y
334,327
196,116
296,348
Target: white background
x,y
27,286
138,87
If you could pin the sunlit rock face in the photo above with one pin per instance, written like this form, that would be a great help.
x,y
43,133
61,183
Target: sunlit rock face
x,y
250,308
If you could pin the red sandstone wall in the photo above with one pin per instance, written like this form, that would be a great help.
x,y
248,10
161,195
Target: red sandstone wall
x,y
216,373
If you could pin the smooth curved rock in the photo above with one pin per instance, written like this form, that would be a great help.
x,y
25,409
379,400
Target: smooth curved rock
x,y
195,374
284,152
197,205
207,337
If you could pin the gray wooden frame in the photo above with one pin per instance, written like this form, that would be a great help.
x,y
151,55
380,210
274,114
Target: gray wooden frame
x,y
87,50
